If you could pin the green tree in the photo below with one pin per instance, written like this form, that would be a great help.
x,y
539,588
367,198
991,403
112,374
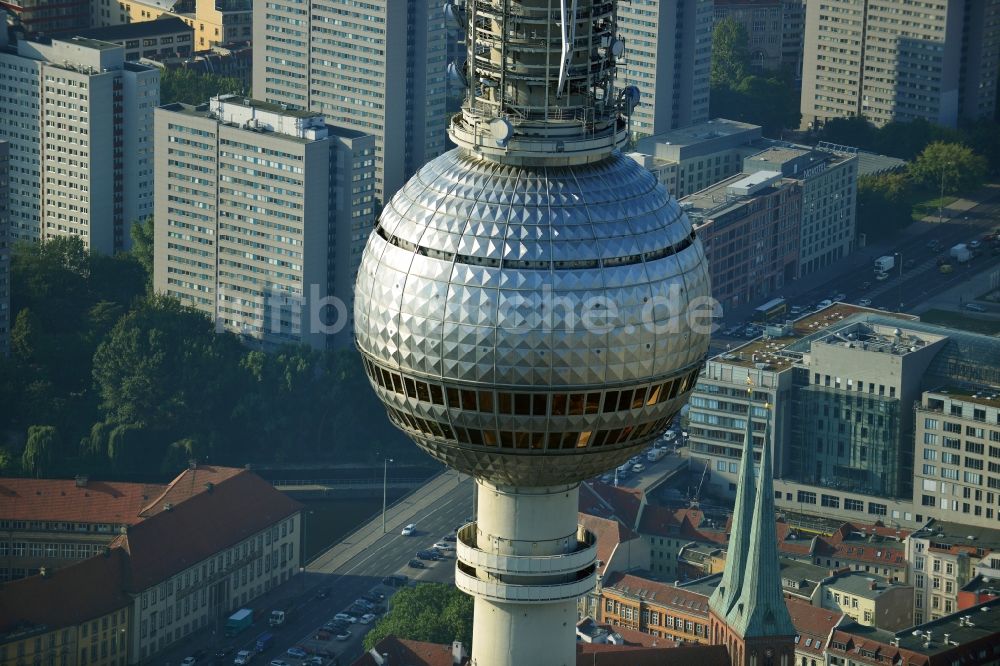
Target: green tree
x,y
770,102
40,451
142,246
181,84
854,131
883,205
953,166
730,56
431,612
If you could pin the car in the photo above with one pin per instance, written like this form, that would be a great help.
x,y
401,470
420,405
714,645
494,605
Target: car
x,y
638,467
367,618
607,477
416,564
974,244
409,530
343,636
975,307
450,537
243,657
670,435
279,662
839,296
396,580
865,302
188,661
635,460
375,596
444,546
315,660
364,603
431,555
345,617
296,652
881,276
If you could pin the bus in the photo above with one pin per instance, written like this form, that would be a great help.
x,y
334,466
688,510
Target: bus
x,y
770,311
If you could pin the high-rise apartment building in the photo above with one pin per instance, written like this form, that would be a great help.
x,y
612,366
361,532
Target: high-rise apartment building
x,y
4,251
937,61
214,21
957,467
261,217
829,182
774,31
668,55
381,71
79,119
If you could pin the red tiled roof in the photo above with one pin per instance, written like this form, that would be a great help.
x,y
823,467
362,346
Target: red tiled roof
x,y
195,529
67,596
596,654
813,625
61,500
679,598
609,534
189,483
403,652
791,541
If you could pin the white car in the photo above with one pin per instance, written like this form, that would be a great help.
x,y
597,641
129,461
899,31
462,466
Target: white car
x,y
243,657
345,617
669,435
638,467
409,530
444,546
367,618
865,302
188,661
881,276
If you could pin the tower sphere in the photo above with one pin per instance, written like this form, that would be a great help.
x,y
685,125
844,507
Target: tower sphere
x,y
532,325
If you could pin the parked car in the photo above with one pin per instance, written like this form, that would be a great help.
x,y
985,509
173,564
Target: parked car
x,y
444,546
364,603
343,636
638,467
188,661
296,652
367,618
450,537
345,617
975,307
881,276
824,304
416,564
243,657
279,662
315,660
431,555
865,302
974,244
409,530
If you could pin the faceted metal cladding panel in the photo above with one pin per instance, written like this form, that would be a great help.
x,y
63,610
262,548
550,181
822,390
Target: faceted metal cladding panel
x,y
483,275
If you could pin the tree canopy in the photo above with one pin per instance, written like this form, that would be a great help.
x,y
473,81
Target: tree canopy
x,y
180,84
432,612
730,54
952,166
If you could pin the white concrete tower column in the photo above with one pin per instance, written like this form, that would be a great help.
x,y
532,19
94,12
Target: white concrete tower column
x,y
526,561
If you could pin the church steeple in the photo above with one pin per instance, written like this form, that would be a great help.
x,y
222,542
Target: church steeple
x,y
760,610
728,591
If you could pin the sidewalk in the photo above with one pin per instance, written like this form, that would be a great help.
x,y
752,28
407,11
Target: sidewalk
x,y
863,257
397,515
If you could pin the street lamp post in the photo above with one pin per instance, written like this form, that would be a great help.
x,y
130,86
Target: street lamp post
x,y
385,486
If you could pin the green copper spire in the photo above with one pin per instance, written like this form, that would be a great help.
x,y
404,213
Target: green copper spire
x,y
728,591
760,609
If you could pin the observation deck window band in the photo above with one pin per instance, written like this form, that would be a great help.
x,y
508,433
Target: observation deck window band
x,y
535,264
516,403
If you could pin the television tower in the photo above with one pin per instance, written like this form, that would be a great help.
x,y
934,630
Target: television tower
x,y
522,309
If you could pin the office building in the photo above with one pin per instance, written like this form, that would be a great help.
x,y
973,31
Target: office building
x,y
938,62
81,146
957,471
749,225
75,615
692,158
868,600
5,312
44,17
829,184
262,213
668,56
214,21
381,71
163,38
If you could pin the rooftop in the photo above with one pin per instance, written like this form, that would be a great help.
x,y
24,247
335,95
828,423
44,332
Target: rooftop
x,y
987,396
596,654
943,535
639,586
111,33
728,194
861,584
610,533
710,129
409,653
66,500
813,625
65,597
96,44
772,350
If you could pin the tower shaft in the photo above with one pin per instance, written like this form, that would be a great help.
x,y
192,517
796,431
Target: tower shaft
x,y
526,561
